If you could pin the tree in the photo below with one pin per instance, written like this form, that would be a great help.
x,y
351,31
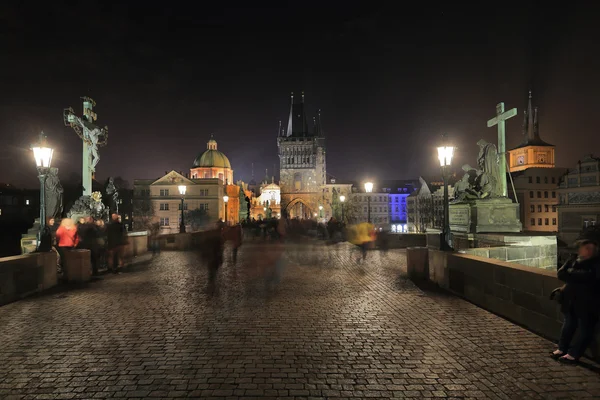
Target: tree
x,y
352,210
197,218
143,212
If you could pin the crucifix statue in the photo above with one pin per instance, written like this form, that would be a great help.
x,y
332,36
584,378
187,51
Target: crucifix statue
x,y
92,137
500,120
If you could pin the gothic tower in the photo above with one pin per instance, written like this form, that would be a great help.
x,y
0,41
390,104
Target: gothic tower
x,y
301,163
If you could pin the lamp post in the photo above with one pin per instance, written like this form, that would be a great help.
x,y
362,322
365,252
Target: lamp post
x,y
342,200
320,211
225,200
43,158
182,190
445,154
368,189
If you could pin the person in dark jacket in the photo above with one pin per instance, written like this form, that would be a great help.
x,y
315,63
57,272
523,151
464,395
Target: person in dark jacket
x,y
115,238
580,299
88,239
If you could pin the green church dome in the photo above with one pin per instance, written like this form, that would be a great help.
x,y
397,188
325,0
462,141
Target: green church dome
x,y
212,157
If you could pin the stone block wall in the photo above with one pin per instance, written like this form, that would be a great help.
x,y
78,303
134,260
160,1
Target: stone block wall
x,y
137,244
404,240
24,275
516,292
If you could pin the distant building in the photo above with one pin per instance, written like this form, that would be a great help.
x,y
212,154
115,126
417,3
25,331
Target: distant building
x,y
209,180
425,205
579,199
302,166
268,202
398,192
535,177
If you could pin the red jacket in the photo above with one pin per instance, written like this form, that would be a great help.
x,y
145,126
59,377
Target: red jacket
x,y
66,237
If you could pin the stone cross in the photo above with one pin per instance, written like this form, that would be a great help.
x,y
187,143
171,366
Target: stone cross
x,y
500,120
92,137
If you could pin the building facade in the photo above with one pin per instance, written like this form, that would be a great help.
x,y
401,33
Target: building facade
x,y
425,205
302,165
398,192
535,177
268,203
164,197
579,199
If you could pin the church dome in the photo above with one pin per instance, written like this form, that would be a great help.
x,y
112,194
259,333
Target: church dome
x,y
211,157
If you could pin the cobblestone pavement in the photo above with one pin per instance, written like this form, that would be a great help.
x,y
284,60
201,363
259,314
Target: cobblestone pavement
x,y
331,328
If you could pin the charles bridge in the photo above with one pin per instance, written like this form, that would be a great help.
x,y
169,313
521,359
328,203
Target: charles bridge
x,y
330,327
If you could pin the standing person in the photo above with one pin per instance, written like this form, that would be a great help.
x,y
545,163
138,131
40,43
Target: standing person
x,y
211,251
88,235
115,234
101,243
580,299
66,238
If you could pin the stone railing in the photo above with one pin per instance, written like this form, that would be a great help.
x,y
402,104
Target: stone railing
x,y
24,275
516,292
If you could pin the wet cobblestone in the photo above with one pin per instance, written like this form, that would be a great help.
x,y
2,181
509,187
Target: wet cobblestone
x,y
332,327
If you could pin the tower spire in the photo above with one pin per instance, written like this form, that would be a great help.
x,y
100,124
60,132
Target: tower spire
x,y
530,130
279,129
289,128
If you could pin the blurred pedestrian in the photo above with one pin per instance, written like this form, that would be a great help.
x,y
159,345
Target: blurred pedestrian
x,y
115,235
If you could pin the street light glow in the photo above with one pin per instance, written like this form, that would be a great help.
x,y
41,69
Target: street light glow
x,y
445,154
368,187
182,189
320,207
342,198
225,199
42,153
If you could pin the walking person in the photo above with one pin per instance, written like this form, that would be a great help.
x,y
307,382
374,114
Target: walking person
x,y
580,299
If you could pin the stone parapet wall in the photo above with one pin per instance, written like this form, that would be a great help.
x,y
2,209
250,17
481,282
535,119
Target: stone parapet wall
x,y
24,275
516,292
544,257
404,240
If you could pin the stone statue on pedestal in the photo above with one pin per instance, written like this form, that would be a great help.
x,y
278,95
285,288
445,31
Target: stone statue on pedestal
x,y
479,204
54,195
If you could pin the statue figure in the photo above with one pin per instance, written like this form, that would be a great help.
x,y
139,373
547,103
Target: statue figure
x,y
54,194
92,136
489,180
112,191
483,182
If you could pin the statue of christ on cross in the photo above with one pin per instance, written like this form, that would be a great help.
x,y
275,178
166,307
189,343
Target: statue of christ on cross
x,y
500,120
92,137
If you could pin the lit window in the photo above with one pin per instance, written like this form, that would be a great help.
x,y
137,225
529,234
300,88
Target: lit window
x,y
553,221
546,208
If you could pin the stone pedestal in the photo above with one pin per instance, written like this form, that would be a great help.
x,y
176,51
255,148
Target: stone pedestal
x,y
77,266
485,216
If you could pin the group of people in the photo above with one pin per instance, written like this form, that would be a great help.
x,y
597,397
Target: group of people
x,y
104,241
579,298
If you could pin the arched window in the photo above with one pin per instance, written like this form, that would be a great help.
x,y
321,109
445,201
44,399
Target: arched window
x,y
221,176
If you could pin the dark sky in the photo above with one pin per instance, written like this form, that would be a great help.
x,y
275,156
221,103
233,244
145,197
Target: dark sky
x,y
389,81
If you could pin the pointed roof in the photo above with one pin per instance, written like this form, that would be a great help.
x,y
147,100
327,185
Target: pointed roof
x,y
297,125
531,130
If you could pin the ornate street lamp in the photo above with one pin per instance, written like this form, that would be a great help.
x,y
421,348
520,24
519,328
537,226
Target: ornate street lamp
x,y
445,154
342,200
368,189
182,190
225,200
43,158
320,211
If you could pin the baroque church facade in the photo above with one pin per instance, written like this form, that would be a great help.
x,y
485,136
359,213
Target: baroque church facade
x,y
302,164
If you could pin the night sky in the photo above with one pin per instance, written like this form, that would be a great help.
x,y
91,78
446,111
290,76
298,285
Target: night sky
x,y
389,82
